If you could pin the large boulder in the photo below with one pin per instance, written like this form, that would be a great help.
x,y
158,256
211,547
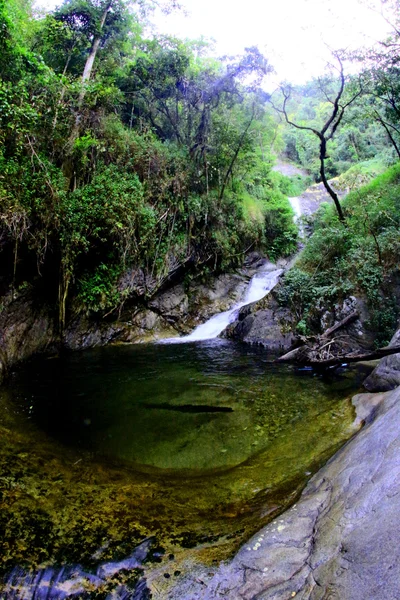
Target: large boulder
x,y
386,376
269,327
340,541
264,323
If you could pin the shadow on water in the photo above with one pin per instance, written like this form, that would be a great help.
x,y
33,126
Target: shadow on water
x,y
196,445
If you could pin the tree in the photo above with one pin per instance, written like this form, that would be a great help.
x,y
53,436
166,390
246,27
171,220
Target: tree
x,y
90,24
185,100
330,125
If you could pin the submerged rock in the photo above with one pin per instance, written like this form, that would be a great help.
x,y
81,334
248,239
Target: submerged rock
x,y
340,540
120,579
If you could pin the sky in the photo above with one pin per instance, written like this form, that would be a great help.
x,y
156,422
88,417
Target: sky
x,y
295,35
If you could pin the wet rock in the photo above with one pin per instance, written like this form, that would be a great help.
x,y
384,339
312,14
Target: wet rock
x,y
172,304
82,333
269,328
264,323
217,295
386,376
120,579
143,325
340,540
26,327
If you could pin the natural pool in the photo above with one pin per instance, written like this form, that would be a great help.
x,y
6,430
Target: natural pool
x,y
197,445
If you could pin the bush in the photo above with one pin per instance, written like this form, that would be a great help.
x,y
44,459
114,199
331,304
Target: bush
x,y
358,257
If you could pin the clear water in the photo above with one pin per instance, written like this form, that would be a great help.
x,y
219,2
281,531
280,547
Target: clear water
x,y
196,444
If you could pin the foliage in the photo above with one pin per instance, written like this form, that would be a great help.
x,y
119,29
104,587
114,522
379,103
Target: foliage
x,y
122,154
360,138
118,152
291,186
360,258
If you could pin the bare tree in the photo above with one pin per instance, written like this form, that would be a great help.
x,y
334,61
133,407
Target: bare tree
x,y
328,129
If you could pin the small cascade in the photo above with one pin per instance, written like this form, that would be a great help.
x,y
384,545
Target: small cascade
x,y
295,204
259,286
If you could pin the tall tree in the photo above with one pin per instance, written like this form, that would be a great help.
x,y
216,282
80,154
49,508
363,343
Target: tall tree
x,y
329,127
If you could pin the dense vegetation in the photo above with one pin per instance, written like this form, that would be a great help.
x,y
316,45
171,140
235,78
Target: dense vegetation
x,y
127,162
125,154
361,258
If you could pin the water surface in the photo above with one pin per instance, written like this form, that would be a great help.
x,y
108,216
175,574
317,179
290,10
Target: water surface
x,y
196,444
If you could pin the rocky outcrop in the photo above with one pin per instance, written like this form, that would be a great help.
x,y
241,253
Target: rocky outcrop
x,y
272,326
340,541
177,310
386,376
265,324
26,327
358,335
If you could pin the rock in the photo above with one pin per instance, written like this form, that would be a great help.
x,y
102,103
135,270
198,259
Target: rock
x,y
26,327
217,295
143,325
264,323
82,333
121,579
340,541
172,304
386,376
268,327
359,336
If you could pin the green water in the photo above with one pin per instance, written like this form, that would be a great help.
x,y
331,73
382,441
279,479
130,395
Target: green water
x,y
196,444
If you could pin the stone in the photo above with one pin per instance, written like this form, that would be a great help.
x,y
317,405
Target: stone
x,y
268,327
172,305
386,376
264,323
26,327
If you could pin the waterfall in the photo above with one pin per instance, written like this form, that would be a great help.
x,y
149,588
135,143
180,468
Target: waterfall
x,y
259,286
295,204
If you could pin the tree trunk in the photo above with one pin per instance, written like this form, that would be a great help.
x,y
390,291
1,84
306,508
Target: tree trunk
x,y
87,71
331,192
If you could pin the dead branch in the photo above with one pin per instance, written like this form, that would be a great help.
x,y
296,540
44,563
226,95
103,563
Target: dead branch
x,y
349,319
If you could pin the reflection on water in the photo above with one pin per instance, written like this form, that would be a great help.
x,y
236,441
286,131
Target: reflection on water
x,y
195,444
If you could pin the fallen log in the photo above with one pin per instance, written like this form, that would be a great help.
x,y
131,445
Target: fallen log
x,y
305,357
349,319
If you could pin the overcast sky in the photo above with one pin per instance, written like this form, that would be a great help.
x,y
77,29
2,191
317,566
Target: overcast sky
x,y
294,34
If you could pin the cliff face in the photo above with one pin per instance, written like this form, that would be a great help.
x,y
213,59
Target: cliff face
x,y
26,327
29,325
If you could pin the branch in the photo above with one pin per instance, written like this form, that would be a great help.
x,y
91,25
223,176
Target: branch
x,y
283,112
336,105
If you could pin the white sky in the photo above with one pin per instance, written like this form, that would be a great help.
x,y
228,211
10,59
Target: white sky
x,y
293,34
